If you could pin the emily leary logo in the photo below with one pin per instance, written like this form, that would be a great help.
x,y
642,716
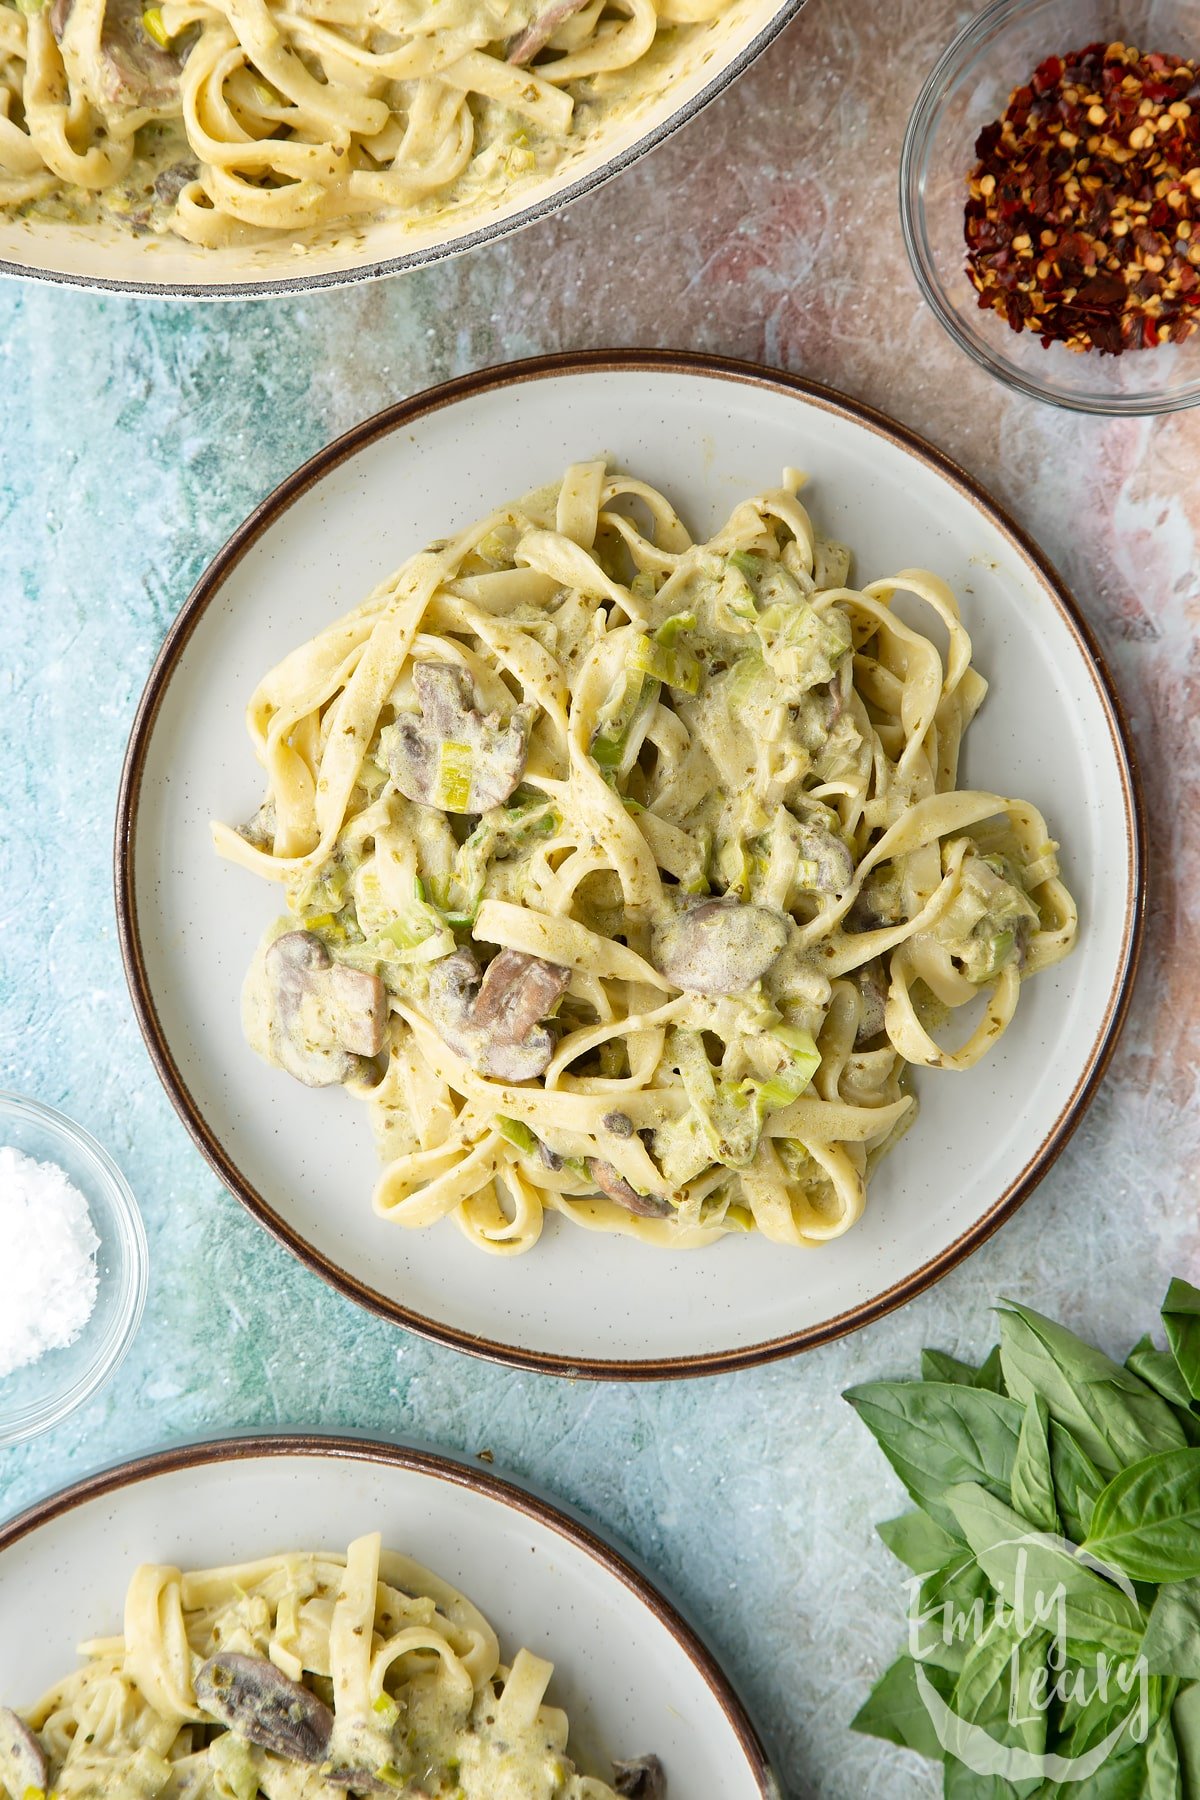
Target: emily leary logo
x,y
1022,1688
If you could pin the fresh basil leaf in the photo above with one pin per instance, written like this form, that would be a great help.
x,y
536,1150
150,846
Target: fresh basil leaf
x,y
921,1545
1041,1580
1171,1645
1185,1719
1077,1482
961,1783
950,1613
991,1372
1121,1776
1114,1416
1181,1317
1129,1718
996,1691
1104,1708
937,1435
938,1365
1159,1370
1164,1778
1147,1520
1032,1481
894,1709
996,1686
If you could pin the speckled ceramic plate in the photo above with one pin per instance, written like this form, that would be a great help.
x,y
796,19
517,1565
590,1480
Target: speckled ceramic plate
x,y
106,256
707,433
631,1674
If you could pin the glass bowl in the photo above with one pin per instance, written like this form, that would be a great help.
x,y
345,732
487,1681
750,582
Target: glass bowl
x,y
970,85
43,1393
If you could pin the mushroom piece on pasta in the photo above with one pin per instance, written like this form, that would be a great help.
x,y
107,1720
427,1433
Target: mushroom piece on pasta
x,y
495,1021
449,754
320,1020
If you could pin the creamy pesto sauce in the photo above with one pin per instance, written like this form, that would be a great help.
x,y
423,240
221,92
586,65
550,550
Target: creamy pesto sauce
x,y
461,1753
512,154
136,204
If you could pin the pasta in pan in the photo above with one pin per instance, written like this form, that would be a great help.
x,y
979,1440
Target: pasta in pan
x,y
226,120
628,876
304,1676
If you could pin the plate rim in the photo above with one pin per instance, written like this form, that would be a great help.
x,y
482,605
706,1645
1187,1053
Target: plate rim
x,y
489,233
565,1521
398,416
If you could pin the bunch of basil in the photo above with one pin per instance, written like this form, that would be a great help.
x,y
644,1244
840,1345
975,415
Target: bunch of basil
x,y
1050,1440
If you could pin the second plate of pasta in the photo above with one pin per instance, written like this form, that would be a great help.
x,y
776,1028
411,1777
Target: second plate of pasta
x,y
663,838
324,1616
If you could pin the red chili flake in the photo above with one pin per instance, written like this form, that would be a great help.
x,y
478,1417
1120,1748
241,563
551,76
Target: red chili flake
x,y
1078,196
1047,75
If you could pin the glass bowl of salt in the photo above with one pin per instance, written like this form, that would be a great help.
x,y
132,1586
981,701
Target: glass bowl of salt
x,y
73,1270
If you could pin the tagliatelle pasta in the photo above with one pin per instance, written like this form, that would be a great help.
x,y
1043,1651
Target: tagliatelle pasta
x,y
628,877
227,120
303,1676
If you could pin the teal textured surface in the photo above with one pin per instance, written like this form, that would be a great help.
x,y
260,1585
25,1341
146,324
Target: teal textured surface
x,y
137,435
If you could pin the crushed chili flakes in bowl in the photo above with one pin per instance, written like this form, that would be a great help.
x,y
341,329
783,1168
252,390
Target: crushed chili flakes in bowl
x,y
1083,222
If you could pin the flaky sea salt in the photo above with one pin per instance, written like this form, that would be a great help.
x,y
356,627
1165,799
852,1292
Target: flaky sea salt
x,y
47,1260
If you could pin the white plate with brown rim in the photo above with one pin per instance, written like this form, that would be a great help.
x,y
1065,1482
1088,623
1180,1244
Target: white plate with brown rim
x,y
707,432
632,1675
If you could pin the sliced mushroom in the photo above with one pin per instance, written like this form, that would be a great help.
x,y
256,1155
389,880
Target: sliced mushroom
x,y
23,1764
642,1778
518,990
550,1158
880,901
361,1780
454,984
133,71
325,1019
541,29
260,1703
259,830
719,946
872,984
832,856
169,183
495,1021
614,1184
449,755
